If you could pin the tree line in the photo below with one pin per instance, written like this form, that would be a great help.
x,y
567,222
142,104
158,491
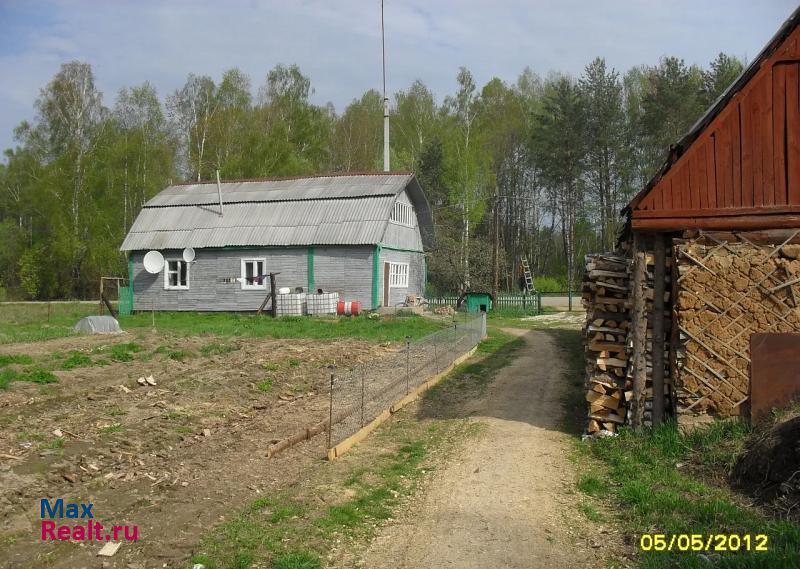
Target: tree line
x,y
538,168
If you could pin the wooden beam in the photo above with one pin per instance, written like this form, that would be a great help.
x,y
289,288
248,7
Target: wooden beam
x,y
658,329
639,332
715,212
744,222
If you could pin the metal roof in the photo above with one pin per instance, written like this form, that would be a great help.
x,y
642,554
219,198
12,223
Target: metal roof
x,y
327,210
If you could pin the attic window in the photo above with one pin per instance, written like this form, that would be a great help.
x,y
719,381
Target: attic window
x,y
403,214
176,277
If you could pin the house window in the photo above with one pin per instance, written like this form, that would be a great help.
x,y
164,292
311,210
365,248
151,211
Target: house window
x,y
398,275
254,275
403,214
176,277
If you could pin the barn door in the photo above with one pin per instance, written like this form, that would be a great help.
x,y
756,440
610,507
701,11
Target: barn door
x,y
386,275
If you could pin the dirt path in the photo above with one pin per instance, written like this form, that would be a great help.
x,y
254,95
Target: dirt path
x,y
507,501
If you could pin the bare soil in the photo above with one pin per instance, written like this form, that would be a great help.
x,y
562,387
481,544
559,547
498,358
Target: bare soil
x,y
174,458
508,500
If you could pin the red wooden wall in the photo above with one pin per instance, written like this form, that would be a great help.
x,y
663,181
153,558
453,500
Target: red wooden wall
x,y
744,165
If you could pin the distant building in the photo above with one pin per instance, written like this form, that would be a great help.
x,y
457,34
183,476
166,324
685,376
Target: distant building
x,y
363,236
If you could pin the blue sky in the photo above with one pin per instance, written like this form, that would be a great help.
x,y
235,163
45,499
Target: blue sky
x,y
337,42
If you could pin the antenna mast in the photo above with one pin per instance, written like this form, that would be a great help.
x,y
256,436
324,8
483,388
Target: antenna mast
x,y
385,101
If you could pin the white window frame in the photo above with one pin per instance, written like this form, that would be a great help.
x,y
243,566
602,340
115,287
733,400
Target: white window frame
x,y
398,275
168,272
253,286
402,214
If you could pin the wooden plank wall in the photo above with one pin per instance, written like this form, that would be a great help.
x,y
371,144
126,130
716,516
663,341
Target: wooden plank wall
x,y
748,157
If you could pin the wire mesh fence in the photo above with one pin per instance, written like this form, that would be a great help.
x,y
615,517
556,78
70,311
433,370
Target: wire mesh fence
x,y
360,394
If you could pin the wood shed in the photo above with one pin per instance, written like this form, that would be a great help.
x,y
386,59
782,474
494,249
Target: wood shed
x,y
710,256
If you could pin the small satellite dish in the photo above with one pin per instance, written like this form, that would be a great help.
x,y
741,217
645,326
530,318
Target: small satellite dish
x,y
153,262
188,254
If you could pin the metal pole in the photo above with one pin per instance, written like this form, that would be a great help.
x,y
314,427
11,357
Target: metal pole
x,y
408,364
330,412
386,167
219,194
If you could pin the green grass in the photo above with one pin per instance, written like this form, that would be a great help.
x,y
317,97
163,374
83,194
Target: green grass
x,y
389,328
265,386
38,375
217,349
7,376
15,359
638,473
56,443
29,322
75,359
111,429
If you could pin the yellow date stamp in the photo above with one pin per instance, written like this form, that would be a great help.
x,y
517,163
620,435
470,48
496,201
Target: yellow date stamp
x,y
704,542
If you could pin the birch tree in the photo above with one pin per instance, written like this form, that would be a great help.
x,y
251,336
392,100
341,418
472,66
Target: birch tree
x,y
192,109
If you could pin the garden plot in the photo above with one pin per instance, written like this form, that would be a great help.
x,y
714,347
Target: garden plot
x,y
173,457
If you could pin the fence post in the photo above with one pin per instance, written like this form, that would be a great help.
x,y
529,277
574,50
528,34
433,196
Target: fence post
x,y
408,365
435,354
455,339
363,376
330,410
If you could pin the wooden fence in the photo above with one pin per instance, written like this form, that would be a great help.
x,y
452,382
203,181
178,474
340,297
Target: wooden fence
x,y
523,302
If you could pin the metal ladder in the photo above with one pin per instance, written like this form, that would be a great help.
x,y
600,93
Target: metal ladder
x,y
528,276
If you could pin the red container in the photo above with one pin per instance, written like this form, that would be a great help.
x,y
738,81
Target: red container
x,y
348,308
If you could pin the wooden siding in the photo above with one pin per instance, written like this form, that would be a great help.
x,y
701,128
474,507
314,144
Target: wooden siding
x,y
346,270
402,236
416,275
743,170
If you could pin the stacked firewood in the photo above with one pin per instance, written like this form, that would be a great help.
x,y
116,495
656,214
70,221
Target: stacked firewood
x,y
649,296
605,293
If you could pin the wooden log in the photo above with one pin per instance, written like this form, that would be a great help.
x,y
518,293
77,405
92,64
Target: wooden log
x,y
658,329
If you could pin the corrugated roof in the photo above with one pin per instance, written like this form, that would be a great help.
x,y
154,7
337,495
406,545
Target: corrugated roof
x,y
295,189
329,210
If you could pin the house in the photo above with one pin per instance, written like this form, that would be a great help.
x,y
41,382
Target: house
x,y
713,242
361,235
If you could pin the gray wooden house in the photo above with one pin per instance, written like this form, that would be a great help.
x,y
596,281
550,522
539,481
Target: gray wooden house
x,y
361,235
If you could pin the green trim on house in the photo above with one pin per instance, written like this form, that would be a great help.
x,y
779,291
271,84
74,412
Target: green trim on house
x,y
390,248
376,260
311,287
130,281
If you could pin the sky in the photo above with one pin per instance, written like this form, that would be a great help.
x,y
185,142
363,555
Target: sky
x,y
337,42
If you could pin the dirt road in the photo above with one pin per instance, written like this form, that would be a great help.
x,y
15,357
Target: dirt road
x,y
507,501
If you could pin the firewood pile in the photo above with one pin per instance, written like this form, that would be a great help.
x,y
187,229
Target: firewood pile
x,y
649,296
728,291
605,294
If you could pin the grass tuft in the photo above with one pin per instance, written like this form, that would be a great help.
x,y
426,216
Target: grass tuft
x,y
15,359
217,349
38,375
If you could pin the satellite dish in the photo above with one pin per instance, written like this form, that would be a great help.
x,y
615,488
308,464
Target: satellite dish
x,y
188,254
153,262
